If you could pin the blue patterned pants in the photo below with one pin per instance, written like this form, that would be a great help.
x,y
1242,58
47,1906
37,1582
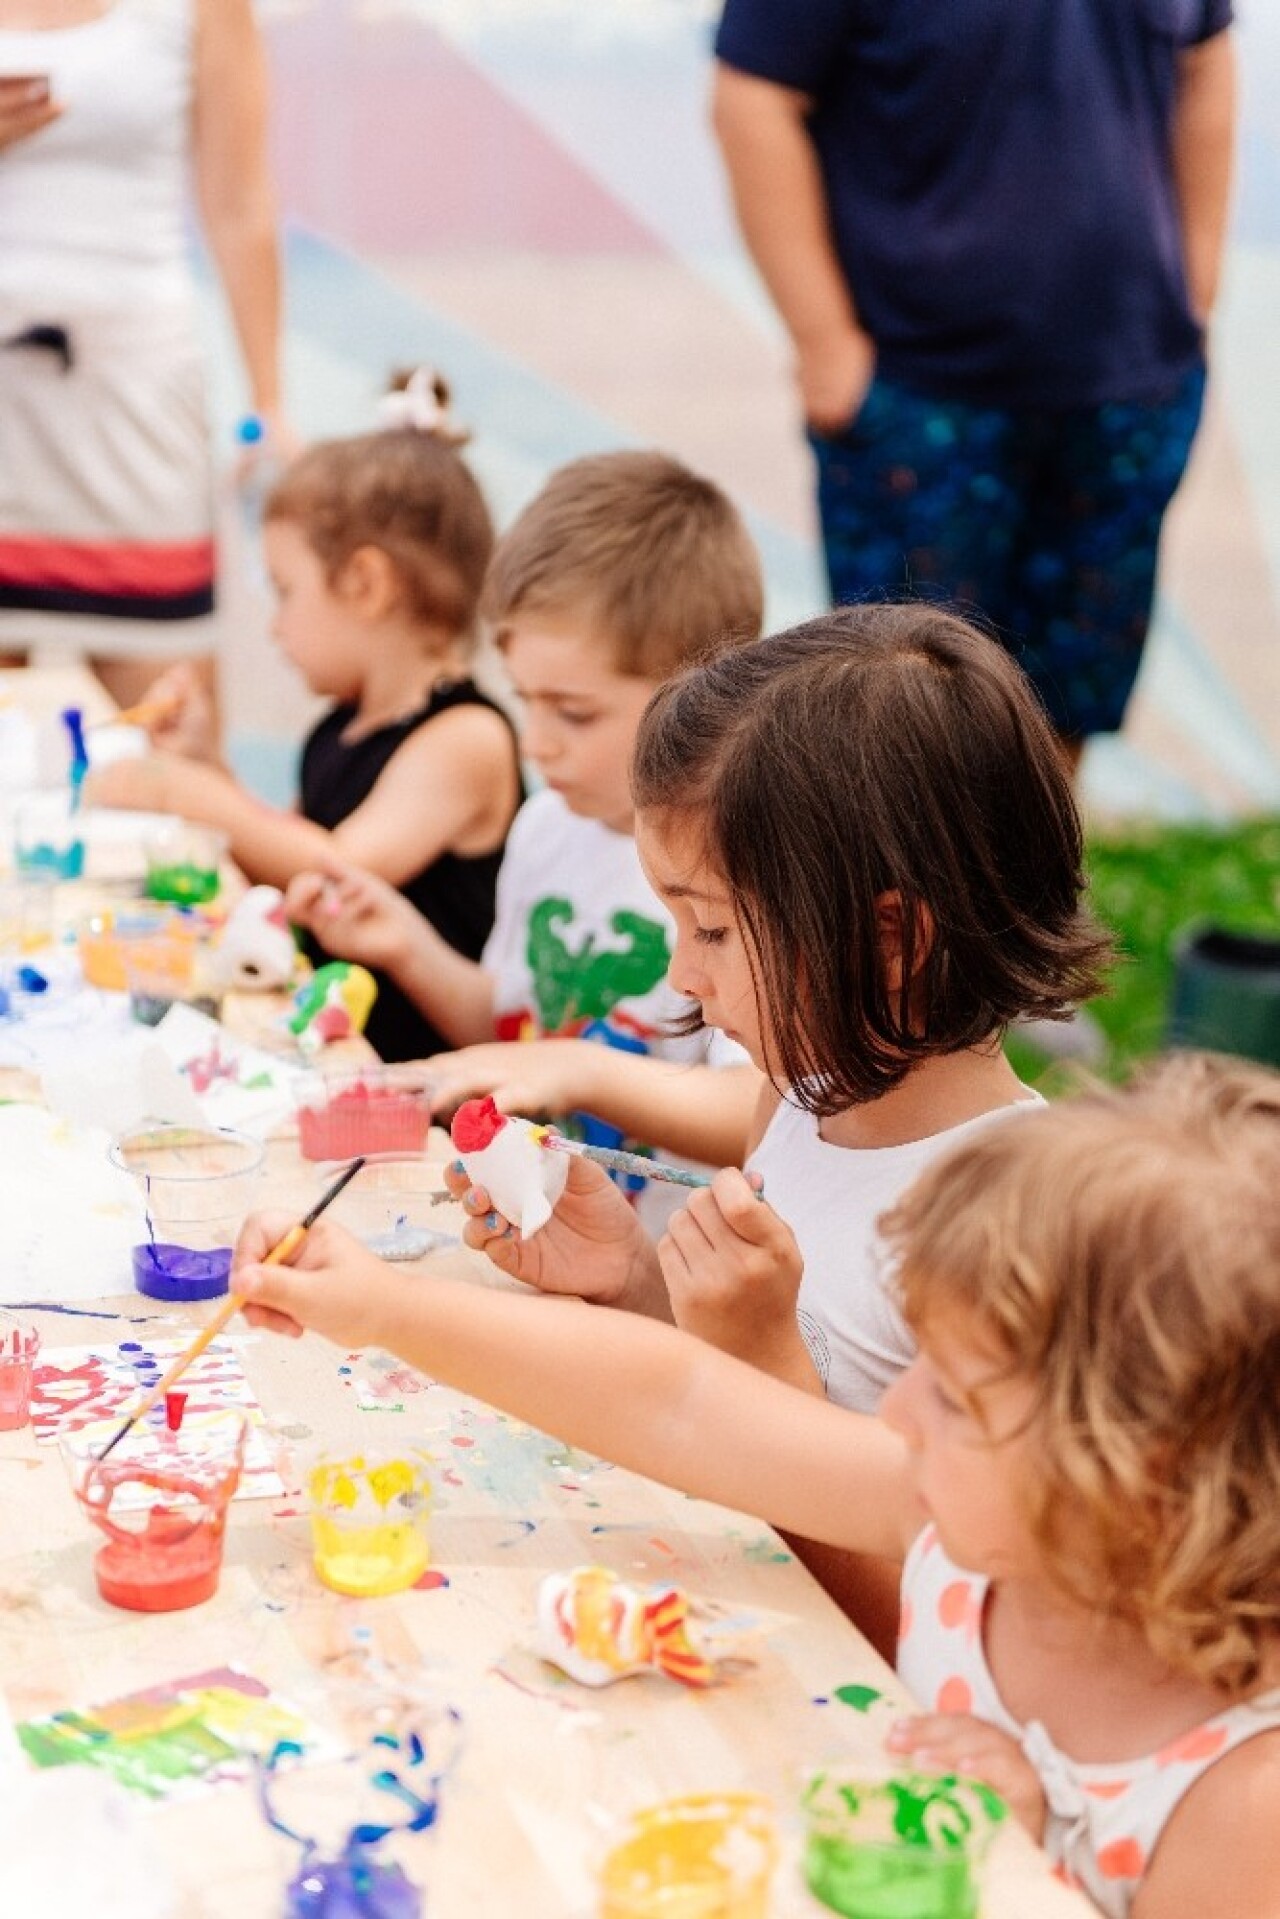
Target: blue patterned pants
x,y
1042,524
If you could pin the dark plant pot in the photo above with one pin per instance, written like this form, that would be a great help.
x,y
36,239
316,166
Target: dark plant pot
x,y
1226,993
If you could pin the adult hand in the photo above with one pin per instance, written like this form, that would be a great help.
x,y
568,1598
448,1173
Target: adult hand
x,y
355,915
732,1269
957,1742
523,1076
333,1285
25,107
593,1246
834,374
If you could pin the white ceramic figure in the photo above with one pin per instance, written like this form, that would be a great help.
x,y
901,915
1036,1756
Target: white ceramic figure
x,y
256,948
597,1629
505,1156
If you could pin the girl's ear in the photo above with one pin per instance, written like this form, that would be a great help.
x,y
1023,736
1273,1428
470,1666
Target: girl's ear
x,y
368,584
890,920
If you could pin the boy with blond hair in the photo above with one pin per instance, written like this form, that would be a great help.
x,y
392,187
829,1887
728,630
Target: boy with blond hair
x,y
625,568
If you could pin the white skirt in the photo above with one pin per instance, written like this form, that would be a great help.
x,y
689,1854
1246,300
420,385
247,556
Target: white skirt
x,y
106,494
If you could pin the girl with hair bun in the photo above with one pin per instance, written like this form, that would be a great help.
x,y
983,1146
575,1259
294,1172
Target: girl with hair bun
x,y
376,547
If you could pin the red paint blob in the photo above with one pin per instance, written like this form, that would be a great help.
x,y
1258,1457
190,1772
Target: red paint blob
x,y
431,1581
475,1125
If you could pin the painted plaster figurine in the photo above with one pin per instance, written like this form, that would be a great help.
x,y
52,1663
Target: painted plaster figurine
x,y
597,1629
506,1157
333,1004
256,949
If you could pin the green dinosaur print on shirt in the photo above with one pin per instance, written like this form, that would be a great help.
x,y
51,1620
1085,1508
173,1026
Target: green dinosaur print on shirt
x,y
587,983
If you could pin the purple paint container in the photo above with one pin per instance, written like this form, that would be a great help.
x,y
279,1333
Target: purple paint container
x,y
181,1273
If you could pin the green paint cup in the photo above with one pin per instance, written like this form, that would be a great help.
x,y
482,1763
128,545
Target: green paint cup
x,y
907,1846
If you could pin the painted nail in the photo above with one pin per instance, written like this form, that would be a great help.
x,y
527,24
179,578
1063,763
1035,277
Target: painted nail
x,y
491,1221
457,1168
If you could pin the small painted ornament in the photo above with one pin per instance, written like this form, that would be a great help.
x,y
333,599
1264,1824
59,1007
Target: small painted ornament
x,y
256,949
506,1156
335,1003
597,1629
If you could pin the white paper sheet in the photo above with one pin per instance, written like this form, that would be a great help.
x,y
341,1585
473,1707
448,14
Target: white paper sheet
x,y
68,1217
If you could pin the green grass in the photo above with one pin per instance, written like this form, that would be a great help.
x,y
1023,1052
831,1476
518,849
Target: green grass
x,y
1148,884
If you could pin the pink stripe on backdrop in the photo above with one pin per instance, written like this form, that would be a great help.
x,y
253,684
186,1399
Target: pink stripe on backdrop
x,y
107,566
389,139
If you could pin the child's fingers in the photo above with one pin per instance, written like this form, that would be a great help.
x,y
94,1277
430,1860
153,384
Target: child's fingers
x,y
259,1233
486,1225
303,895
282,1290
273,1322
741,1206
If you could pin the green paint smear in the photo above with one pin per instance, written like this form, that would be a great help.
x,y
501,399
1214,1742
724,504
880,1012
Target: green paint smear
x,y
861,1698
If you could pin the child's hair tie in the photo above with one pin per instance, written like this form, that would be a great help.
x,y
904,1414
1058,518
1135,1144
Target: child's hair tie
x,y
421,400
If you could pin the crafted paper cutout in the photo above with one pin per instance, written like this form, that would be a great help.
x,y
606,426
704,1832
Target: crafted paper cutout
x,y
506,1157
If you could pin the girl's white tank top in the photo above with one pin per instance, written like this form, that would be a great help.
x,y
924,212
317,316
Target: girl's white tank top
x,y
93,207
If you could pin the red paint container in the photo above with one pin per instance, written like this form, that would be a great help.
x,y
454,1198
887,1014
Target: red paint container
x,y
383,1110
161,1500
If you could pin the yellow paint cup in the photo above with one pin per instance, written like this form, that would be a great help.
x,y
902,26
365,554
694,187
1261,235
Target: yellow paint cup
x,y
707,1856
370,1515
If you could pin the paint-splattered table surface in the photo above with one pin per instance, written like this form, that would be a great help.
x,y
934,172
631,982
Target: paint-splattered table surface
x,y
544,1763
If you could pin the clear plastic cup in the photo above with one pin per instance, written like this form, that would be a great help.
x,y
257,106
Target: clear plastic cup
x,y
197,1185
390,1205
110,944
377,1110
184,860
370,1519
880,1847
48,841
161,1499
706,1856
19,1350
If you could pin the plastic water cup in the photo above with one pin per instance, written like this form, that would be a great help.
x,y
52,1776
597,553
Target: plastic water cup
x,y
897,1846
183,863
197,1186
161,1499
47,839
370,1520
19,1350
706,1856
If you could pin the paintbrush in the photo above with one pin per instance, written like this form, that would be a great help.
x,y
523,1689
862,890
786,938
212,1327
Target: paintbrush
x,y
145,713
283,1250
619,1162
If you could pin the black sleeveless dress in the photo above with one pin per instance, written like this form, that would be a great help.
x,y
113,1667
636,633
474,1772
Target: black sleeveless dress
x,y
456,895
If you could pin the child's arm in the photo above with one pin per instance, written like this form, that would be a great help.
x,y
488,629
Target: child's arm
x,y
266,843
692,1110
630,1389
448,784
358,916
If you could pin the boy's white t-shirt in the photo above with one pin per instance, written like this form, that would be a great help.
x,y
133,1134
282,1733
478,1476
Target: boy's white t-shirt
x,y
832,1197
581,945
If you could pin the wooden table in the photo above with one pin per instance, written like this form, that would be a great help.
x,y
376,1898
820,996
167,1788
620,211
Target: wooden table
x,y
511,1505
544,1760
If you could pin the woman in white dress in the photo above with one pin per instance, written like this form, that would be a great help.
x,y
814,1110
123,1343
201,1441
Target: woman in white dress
x,y
110,111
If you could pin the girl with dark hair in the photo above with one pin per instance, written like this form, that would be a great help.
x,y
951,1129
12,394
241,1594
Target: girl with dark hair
x,y
874,863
